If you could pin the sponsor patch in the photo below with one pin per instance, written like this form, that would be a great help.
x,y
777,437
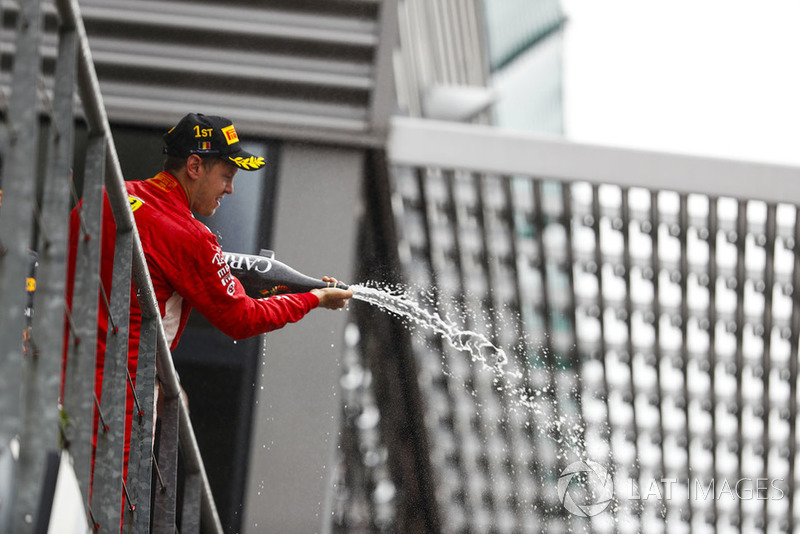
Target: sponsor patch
x,y
135,202
164,181
230,134
30,285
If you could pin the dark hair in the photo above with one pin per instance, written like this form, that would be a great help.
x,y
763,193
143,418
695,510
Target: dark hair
x,y
174,163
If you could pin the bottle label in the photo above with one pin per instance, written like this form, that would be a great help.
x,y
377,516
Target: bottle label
x,y
245,262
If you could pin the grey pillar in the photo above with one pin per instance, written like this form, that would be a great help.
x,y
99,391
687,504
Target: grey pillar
x,y
296,417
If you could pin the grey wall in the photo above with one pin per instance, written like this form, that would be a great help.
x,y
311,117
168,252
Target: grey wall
x,y
296,417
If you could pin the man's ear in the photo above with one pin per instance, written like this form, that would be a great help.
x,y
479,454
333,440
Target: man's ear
x,y
193,164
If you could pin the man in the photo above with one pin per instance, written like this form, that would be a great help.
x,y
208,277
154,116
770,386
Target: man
x,y
183,255
185,261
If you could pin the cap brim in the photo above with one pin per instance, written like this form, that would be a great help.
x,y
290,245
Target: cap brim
x,y
246,161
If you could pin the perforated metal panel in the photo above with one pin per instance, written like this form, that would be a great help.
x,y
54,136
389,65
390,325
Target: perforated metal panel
x,y
655,333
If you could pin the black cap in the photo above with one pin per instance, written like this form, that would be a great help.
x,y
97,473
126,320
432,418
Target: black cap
x,y
209,135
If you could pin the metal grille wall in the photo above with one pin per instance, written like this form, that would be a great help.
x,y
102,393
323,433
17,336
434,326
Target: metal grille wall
x,y
304,69
47,396
652,335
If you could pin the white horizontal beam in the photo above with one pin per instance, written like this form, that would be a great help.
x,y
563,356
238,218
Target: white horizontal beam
x,y
488,149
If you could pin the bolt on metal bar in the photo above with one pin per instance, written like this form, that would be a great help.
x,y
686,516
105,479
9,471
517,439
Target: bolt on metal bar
x,y
104,425
104,294
139,411
162,486
92,521
131,505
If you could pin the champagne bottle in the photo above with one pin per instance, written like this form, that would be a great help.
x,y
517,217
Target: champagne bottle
x,y
264,276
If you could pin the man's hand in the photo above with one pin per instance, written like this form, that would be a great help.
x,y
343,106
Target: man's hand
x,y
332,298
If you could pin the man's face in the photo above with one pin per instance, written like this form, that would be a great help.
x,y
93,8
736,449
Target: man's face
x,y
213,184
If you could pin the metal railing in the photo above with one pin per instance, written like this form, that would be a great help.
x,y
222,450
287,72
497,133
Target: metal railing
x,y
648,302
35,216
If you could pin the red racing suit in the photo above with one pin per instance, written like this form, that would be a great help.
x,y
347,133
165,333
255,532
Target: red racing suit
x,y
188,271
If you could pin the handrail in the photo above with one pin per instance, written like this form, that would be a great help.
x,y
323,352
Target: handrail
x,y
479,148
97,119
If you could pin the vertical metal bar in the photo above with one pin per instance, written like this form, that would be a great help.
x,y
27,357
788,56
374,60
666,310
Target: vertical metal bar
x,y
683,227
80,372
193,463
19,176
601,304
382,100
166,491
43,377
626,264
107,487
190,504
573,354
508,430
712,337
509,215
741,277
477,504
793,367
550,315
539,227
428,254
769,287
511,210
655,271
140,461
